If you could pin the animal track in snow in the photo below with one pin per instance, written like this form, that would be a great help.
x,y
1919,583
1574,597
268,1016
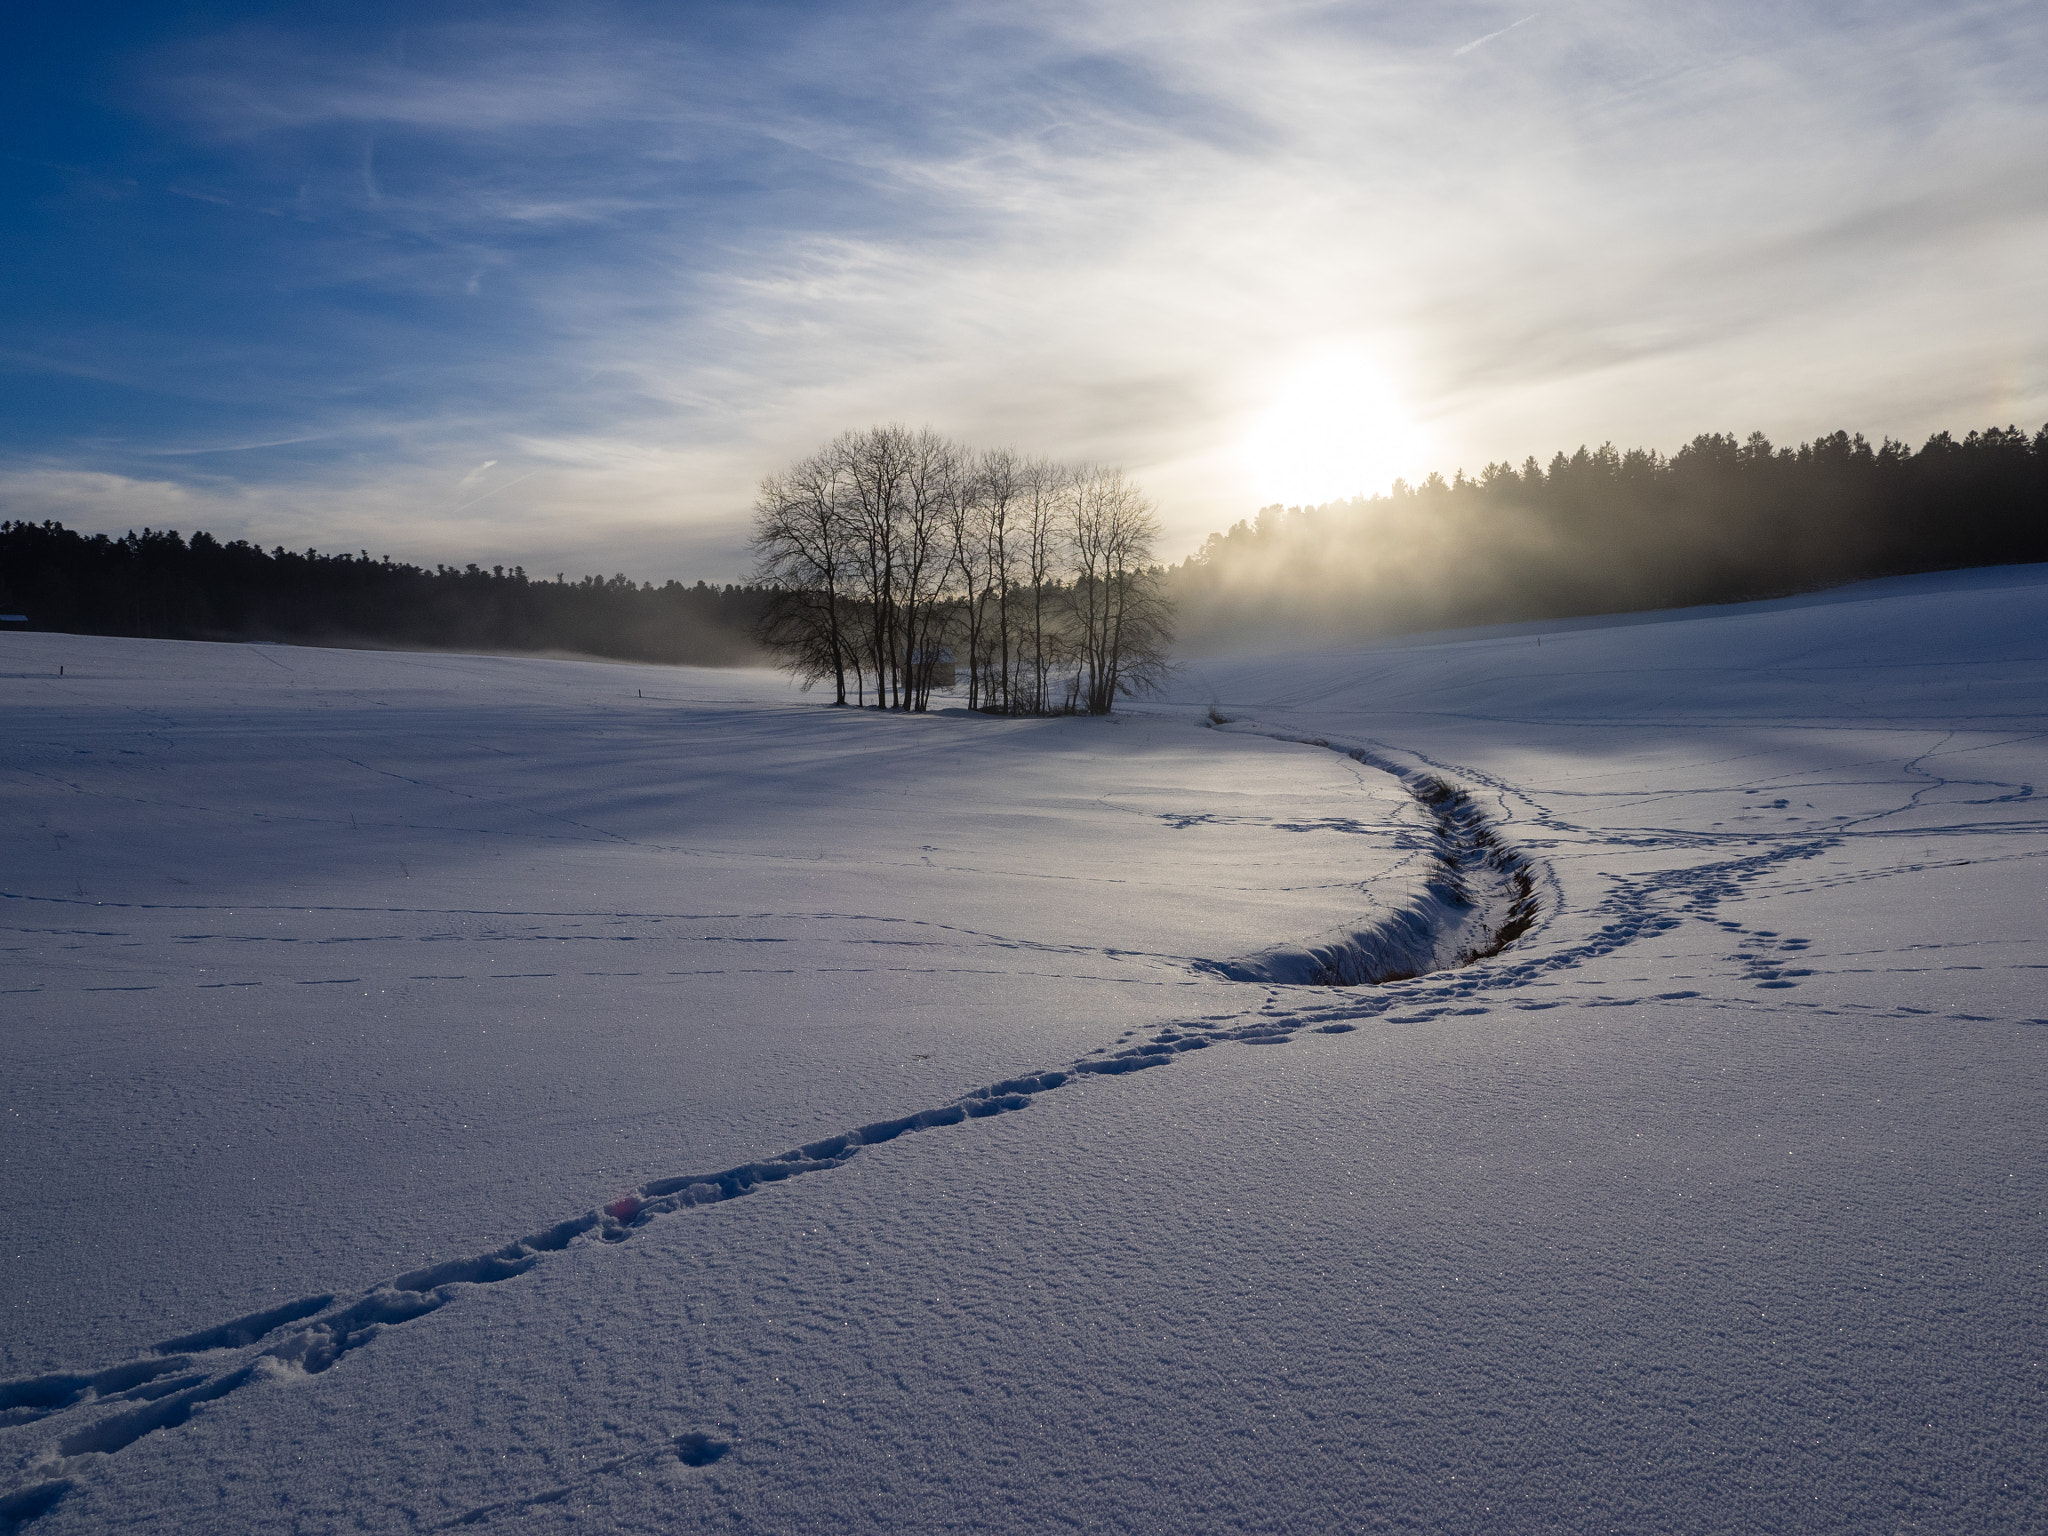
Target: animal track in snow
x,y
180,1376
101,1413
311,1335
1180,821
697,1449
693,1449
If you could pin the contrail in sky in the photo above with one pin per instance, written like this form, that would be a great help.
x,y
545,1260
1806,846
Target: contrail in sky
x,y
1503,32
492,492
275,442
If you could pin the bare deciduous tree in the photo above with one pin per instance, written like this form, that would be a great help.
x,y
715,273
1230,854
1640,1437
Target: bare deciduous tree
x,y
801,547
932,486
1122,622
874,464
888,545
1043,535
976,520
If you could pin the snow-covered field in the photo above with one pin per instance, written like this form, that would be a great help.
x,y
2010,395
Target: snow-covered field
x,y
543,1095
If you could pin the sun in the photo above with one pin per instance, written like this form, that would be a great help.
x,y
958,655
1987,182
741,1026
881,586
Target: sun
x,y
1336,428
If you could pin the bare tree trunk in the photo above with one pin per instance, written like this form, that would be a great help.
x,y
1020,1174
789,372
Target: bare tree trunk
x,y
874,465
1042,557
799,544
886,541
1136,618
1088,537
925,560
968,521
1002,477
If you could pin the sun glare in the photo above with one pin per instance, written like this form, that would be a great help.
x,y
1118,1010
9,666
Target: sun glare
x,y
1335,429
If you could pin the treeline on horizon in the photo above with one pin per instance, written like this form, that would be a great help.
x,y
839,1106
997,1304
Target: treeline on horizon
x,y
1598,531
1601,531
158,585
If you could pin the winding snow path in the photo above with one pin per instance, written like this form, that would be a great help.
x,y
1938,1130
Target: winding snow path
x,y
1711,1202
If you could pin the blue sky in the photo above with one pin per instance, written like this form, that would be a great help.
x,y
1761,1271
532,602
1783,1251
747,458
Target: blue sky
x,y
555,285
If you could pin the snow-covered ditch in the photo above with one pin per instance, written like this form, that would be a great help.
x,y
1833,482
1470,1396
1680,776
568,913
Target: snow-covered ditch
x,y
389,1042
1477,896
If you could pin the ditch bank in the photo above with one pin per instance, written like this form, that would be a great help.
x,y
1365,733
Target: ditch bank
x,y
1477,897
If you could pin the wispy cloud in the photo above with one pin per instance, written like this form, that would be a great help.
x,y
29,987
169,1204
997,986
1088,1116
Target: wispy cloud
x,y
192,453
633,257
1481,42
494,490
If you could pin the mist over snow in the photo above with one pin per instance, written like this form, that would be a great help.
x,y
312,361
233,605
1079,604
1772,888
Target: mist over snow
x,y
536,1095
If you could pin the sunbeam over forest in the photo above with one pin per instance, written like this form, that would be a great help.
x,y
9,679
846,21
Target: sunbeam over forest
x,y
293,276
889,544
1600,531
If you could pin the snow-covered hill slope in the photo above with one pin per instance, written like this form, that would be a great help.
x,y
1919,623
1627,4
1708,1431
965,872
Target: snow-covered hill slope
x,y
539,1095
393,957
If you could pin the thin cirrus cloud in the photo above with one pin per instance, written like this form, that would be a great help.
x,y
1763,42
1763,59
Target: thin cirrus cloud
x,y
1480,42
637,256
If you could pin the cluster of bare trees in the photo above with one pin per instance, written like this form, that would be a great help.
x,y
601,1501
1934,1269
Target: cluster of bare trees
x,y
888,547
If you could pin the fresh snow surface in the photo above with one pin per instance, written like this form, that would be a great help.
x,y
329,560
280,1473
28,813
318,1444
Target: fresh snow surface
x,y
547,1095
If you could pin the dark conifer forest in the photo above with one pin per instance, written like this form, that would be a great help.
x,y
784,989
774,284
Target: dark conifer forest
x,y
1597,531
159,585
1600,531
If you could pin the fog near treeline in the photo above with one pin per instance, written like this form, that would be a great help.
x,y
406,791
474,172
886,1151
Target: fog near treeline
x,y
1603,531
1595,531
158,584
